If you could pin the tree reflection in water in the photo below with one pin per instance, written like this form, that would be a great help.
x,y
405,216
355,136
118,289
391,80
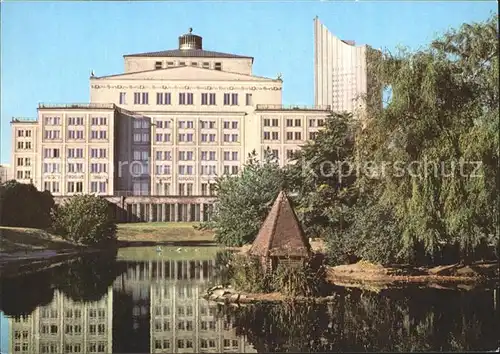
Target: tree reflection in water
x,y
419,320
22,295
85,279
88,278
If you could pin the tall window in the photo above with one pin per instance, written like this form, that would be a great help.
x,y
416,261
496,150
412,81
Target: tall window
x,y
163,98
141,98
249,100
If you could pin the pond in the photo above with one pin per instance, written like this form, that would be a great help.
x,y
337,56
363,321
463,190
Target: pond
x,y
139,300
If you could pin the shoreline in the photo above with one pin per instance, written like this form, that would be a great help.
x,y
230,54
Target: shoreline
x,y
14,264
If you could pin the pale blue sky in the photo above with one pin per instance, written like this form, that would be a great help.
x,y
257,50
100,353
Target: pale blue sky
x,y
49,48
4,334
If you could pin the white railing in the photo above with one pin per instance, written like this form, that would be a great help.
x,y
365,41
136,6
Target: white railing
x,y
77,105
281,107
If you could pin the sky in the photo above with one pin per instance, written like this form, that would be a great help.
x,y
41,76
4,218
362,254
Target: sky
x,y
48,49
4,334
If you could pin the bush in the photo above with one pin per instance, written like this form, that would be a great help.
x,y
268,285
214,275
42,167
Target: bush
x,y
22,205
246,274
297,279
86,220
293,279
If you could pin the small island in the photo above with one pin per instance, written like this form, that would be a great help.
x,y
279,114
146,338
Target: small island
x,y
281,265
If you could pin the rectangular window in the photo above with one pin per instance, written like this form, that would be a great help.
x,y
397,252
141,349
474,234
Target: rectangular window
x,y
234,125
182,98
204,99
234,99
275,136
267,136
289,122
218,66
211,99
123,96
189,98
227,99
289,136
267,122
158,65
249,101
298,122
163,98
298,136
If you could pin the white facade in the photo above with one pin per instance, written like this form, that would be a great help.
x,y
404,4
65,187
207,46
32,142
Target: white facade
x,y
340,71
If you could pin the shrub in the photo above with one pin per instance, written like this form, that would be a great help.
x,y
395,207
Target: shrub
x,y
297,279
293,279
246,274
22,205
85,219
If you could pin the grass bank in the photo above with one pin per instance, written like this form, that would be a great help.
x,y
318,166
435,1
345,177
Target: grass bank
x,y
18,239
26,250
136,234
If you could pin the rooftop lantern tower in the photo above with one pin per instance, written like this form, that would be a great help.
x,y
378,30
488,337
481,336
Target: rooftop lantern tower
x,y
190,41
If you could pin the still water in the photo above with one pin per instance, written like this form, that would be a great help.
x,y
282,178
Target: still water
x,y
143,301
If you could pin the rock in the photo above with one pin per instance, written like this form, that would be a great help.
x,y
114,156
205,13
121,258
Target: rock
x,y
219,292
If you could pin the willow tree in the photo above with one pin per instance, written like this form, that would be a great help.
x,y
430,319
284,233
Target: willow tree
x,y
436,142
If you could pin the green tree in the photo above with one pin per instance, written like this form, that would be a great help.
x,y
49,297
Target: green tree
x,y
323,174
440,124
23,205
244,200
85,219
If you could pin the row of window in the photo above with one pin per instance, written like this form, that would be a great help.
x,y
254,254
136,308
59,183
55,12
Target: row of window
x,y
267,122
46,312
75,121
75,134
186,138
289,135
92,347
24,145
204,65
24,133
55,167
77,153
189,124
185,98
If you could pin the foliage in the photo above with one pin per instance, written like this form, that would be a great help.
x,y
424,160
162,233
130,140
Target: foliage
x,y
425,177
293,279
441,122
85,219
298,280
18,297
246,274
355,321
89,277
22,205
244,200
320,174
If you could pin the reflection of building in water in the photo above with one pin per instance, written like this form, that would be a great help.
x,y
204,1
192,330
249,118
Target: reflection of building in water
x,y
183,322
180,320
65,326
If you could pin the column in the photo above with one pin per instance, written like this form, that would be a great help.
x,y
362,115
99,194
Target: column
x,y
139,211
159,215
151,212
189,210
202,212
176,212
